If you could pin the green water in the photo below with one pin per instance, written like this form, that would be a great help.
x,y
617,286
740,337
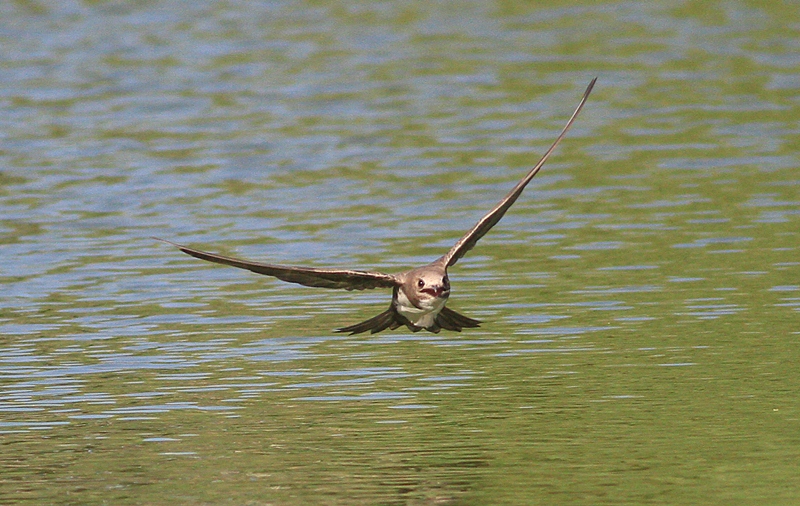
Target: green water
x,y
640,301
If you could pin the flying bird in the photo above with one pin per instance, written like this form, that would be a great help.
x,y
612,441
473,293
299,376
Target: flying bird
x,y
418,295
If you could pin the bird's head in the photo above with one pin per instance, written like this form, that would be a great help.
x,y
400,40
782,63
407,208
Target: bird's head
x,y
431,285
427,287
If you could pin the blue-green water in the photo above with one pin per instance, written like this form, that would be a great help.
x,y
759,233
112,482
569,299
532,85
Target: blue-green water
x,y
640,301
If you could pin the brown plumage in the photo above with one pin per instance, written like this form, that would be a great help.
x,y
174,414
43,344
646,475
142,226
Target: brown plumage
x,y
418,295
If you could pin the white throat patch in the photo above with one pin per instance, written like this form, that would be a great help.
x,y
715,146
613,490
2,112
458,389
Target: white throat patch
x,y
420,317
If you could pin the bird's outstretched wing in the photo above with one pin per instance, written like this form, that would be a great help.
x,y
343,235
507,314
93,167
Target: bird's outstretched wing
x,y
320,278
492,217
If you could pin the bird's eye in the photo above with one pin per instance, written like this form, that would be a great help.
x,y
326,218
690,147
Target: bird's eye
x,y
420,283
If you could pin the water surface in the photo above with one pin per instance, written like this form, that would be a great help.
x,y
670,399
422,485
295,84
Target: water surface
x,y
640,301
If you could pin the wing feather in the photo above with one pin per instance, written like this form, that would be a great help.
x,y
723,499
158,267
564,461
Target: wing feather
x,y
451,320
468,241
379,323
308,276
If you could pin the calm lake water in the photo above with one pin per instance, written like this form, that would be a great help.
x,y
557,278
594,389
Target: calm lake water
x,y
641,301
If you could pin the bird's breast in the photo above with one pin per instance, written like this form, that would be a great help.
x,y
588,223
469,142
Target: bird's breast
x,y
423,314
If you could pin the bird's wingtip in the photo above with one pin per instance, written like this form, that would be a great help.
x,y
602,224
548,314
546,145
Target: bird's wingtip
x,y
590,87
165,241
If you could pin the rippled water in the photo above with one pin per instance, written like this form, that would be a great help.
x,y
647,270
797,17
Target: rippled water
x,y
640,301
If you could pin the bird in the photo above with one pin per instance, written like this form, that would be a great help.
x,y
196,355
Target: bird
x,y
419,295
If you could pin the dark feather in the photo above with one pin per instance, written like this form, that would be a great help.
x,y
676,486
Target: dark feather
x,y
450,320
320,278
390,319
383,321
468,241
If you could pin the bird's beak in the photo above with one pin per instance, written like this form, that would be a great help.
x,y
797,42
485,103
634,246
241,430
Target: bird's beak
x,y
436,291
